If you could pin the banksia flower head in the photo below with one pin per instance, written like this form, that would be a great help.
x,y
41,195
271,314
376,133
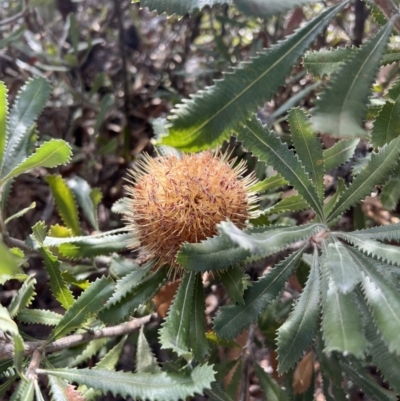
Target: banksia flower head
x,y
174,199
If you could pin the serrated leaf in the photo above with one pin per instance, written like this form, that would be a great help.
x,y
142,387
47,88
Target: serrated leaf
x,y
210,116
289,204
367,383
88,303
3,118
387,123
231,320
87,199
341,107
145,359
92,245
233,280
382,299
50,154
39,316
212,254
390,194
377,171
341,322
308,148
65,202
259,140
269,240
391,232
331,202
198,343
20,213
270,387
126,284
296,334
24,296
327,61
340,266
140,294
8,325
339,153
269,183
8,265
30,101
387,363
263,9
88,350
383,252
217,394
58,286
180,7
175,331
58,389
160,386
24,392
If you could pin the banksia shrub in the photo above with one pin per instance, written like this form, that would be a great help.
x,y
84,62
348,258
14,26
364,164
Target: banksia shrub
x,y
173,200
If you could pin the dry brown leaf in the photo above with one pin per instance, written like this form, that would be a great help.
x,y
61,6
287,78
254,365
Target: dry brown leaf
x,y
73,394
163,299
303,374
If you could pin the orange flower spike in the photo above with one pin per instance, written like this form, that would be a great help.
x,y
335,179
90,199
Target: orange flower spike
x,y
174,200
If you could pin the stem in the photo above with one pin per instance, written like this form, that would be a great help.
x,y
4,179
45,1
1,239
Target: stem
x,y
6,351
246,360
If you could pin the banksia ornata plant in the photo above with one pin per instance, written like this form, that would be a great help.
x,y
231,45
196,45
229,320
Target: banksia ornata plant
x,y
173,200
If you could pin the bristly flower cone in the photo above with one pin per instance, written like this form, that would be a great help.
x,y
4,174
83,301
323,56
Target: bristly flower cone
x,y
173,200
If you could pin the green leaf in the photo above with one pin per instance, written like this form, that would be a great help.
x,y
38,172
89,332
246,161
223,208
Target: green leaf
x,y
160,386
391,232
297,333
308,148
341,322
8,325
88,304
217,394
386,253
367,382
20,213
30,101
58,389
39,316
233,280
390,195
5,386
139,295
92,245
105,105
340,266
24,296
268,148
8,265
50,154
376,172
87,199
266,241
382,299
145,360
387,123
327,61
210,116
341,107
24,392
65,202
3,118
175,331
387,363
270,387
126,284
263,9
212,254
58,285
289,204
339,153
14,36
269,183
331,202
231,320
180,7
197,339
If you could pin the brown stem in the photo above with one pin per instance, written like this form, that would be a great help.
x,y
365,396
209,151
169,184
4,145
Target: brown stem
x,y
6,350
35,363
246,360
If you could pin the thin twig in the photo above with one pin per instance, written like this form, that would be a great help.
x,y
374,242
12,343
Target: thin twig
x,y
35,363
6,350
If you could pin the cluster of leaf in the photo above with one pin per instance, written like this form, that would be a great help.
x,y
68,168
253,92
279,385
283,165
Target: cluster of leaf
x,y
351,290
